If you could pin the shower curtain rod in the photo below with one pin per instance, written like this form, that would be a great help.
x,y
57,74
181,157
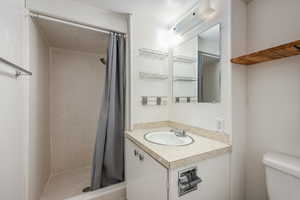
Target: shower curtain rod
x,y
74,23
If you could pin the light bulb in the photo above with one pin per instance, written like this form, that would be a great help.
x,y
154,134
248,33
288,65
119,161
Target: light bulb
x,y
208,12
168,39
173,38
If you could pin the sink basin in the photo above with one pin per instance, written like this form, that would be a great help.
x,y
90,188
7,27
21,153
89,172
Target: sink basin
x,y
168,138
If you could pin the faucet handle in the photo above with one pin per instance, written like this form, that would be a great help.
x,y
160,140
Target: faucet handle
x,y
176,130
179,132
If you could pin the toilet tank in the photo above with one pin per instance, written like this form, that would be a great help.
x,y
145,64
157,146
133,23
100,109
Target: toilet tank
x,y
282,176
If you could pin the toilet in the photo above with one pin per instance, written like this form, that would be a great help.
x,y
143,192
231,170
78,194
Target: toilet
x,y
282,176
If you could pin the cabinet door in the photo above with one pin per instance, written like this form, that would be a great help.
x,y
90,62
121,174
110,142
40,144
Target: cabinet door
x,y
146,179
214,173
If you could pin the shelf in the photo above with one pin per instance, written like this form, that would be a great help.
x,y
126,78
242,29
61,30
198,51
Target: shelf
x,y
184,78
19,71
209,58
282,51
184,59
153,53
146,75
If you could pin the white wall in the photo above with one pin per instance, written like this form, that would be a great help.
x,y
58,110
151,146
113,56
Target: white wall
x,y
204,114
76,87
13,102
238,99
273,89
80,12
146,33
39,135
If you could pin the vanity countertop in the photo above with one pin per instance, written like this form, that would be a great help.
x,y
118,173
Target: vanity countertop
x,y
178,156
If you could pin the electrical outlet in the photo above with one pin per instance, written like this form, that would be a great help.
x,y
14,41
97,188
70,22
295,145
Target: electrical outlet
x,y
220,125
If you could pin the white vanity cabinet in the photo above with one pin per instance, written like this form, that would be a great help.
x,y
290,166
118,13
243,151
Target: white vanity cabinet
x,y
146,178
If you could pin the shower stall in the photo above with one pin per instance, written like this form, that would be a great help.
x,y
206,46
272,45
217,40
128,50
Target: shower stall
x,y
68,61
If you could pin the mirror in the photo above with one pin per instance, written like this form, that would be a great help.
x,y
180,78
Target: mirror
x,y
197,69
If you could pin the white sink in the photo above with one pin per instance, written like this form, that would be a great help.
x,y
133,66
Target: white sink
x,y
168,138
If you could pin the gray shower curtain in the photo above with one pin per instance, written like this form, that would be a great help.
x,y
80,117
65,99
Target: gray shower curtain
x,y
108,160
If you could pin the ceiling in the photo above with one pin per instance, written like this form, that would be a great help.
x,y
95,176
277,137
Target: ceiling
x,y
70,37
165,10
65,36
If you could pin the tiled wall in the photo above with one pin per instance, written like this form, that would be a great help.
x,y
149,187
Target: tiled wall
x,y
76,88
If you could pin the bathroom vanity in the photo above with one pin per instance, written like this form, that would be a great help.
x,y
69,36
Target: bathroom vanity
x,y
199,170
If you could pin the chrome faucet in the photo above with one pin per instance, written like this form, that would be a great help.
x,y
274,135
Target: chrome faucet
x,y
179,132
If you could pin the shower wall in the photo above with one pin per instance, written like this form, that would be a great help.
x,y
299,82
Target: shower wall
x,y
76,88
39,135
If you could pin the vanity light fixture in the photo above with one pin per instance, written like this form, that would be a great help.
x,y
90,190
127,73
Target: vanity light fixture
x,y
195,17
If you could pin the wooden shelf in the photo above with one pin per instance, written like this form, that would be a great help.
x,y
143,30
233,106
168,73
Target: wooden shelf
x,y
282,51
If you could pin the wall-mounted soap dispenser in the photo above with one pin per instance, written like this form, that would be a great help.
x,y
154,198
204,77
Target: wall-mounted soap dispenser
x,y
188,181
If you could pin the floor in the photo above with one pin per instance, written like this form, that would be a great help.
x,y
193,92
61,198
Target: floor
x,y
67,184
